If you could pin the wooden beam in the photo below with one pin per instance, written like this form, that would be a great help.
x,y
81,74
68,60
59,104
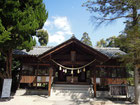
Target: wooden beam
x,y
73,56
75,63
33,64
99,54
67,57
50,80
55,49
108,66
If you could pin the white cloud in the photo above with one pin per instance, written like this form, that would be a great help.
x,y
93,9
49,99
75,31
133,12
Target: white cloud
x,y
56,38
47,23
62,23
58,28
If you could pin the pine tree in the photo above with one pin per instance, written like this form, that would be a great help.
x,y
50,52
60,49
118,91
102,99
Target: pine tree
x,y
109,10
42,37
86,39
19,20
101,43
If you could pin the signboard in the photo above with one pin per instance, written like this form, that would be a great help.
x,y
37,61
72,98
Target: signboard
x,y
98,80
6,90
38,78
47,79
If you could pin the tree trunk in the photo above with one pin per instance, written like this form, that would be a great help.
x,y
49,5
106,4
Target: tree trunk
x,y
136,85
9,63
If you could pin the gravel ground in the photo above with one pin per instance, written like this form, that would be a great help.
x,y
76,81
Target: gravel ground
x,y
44,100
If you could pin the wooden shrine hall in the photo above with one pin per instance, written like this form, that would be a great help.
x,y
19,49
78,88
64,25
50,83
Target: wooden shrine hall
x,y
71,62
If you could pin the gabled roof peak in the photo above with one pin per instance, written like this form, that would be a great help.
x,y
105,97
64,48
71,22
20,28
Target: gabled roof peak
x,y
73,37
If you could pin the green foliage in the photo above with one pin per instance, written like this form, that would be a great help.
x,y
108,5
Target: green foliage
x,y
120,42
133,45
101,43
19,20
42,36
108,10
109,42
86,39
5,34
130,81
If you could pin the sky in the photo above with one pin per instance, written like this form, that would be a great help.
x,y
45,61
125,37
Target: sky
x,y
67,17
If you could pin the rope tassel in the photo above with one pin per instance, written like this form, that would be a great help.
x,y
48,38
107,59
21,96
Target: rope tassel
x,y
60,68
71,71
84,70
78,71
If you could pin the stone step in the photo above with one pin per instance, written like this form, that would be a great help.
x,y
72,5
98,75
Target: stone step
x,y
66,90
70,88
71,91
68,85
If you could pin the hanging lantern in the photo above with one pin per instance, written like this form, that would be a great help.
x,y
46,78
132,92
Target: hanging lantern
x,y
71,71
84,70
60,68
78,71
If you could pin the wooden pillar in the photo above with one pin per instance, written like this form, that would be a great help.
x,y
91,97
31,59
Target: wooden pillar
x,y
37,73
136,81
50,80
94,82
20,75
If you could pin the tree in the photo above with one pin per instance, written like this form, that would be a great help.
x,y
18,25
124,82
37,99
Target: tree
x,y
43,37
19,20
101,43
109,10
113,41
120,42
86,39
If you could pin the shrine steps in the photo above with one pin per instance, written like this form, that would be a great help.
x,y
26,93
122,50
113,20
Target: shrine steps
x,y
71,91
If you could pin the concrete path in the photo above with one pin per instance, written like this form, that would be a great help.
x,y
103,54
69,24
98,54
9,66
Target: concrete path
x,y
44,100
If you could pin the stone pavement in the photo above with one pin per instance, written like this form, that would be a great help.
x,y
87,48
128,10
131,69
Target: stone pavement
x,y
44,100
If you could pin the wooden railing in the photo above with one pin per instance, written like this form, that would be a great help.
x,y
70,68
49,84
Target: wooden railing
x,y
28,79
34,79
118,90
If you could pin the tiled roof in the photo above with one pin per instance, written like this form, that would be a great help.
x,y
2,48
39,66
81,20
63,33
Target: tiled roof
x,y
110,52
38,50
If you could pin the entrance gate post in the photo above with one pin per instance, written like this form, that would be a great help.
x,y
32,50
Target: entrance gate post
x,y
94,82
50,80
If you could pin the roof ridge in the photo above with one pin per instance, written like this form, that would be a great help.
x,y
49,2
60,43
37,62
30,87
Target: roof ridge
x,y
111,48
43,46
